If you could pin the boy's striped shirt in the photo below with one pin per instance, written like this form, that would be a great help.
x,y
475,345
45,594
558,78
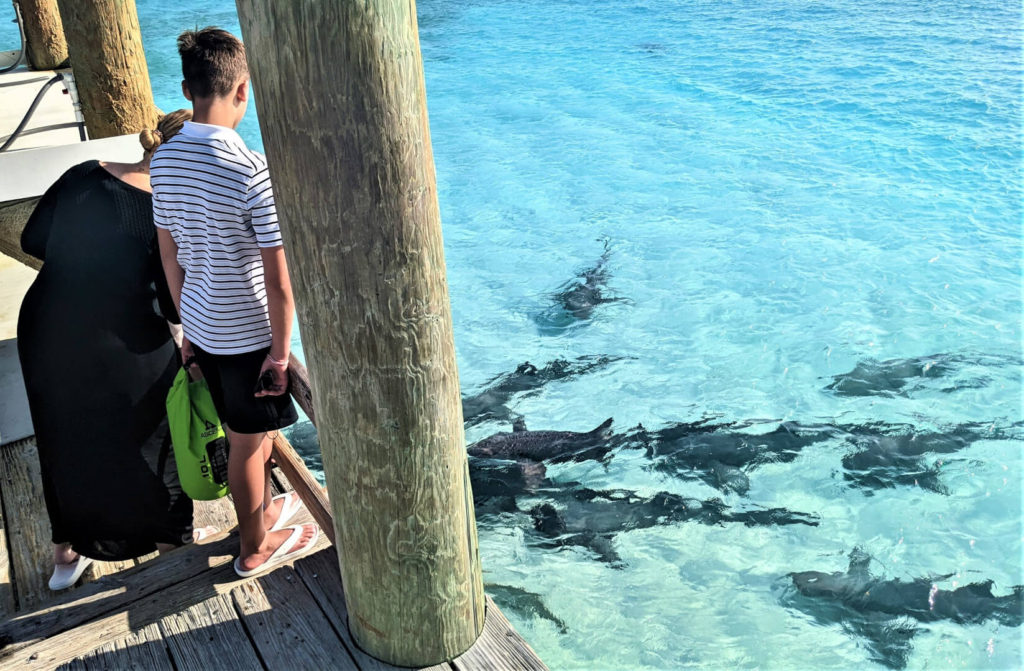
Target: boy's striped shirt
x,y
214,196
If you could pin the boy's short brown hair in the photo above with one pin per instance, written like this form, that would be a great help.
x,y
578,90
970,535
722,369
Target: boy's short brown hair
x,y
212,61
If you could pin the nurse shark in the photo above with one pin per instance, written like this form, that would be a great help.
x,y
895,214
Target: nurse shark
x,y
591,519
891,455
722,454
549,446
575,301
491,403
901,377
882,611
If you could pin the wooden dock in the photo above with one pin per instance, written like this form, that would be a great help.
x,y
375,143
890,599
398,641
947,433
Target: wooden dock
x,y
186,609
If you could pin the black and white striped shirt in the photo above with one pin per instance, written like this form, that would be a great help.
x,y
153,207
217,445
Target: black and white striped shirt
x,y
213,194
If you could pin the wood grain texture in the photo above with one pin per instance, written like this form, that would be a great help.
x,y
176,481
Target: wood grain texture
x,y
143,650
319,572
105,45
14,215
354,185
218,513
116,592
6,579
93,632
301,389
209,635
30,546
98,569
61,648
287,627
499,648
46,47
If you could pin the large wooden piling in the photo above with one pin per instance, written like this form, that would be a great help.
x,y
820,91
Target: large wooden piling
x,y
105,46
45,46
342,106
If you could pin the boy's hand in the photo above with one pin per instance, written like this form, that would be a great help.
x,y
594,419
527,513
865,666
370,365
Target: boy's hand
x,y
279,370
188,359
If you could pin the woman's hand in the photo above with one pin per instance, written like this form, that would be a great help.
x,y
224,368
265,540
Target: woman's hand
x,y
278,371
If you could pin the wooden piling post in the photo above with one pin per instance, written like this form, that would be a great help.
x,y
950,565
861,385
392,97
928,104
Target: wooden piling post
x,y
45,46
342,106
105,46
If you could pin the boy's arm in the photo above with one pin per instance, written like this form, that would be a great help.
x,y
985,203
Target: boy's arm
x,y
280,305
175,279
281,308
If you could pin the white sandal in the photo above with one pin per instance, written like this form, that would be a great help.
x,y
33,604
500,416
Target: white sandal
x,y
292,504
281,555
66,575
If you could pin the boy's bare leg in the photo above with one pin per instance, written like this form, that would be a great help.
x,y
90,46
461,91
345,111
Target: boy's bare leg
x,y
271,509
247,477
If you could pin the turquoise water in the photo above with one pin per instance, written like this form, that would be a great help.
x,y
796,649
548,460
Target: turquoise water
x,y
786,190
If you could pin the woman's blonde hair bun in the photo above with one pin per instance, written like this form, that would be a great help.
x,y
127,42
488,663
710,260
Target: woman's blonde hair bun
x,y
166,127
150,139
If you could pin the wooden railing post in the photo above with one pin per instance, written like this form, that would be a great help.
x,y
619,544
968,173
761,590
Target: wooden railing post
x,y
45,46
342,106
105,45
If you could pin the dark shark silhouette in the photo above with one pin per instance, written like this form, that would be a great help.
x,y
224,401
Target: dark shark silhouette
x,y
901,377
722,454
575,301
591,519
491,402
497,484
550,446
526,604
892,455
881,611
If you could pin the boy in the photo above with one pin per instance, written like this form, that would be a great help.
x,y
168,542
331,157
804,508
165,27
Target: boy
x,y
221,250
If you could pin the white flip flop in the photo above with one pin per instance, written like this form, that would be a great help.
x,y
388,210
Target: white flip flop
x,y
292,504
281,555
66,575
202,533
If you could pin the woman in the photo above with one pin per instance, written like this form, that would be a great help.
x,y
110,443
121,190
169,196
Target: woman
x,y
98,360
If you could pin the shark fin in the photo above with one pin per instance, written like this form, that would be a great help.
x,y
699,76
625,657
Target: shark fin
x,y
859,561
518,425
604,429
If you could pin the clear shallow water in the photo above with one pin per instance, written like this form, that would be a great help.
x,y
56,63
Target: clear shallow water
x,y
787,190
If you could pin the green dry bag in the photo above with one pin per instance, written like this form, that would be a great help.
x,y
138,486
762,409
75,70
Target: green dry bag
x,y
200,446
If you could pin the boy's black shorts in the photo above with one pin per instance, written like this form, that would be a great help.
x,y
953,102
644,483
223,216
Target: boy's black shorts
x,y
232,380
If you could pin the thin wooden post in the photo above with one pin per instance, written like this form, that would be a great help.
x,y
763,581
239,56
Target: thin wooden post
x,y
105,45
44,35
342,106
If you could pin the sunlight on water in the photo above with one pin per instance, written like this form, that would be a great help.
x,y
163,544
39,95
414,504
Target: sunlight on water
x,y
812,215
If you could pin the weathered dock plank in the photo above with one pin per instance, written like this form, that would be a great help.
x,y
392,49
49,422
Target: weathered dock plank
x,y
209,635
286,625
28,529
320,574
98,569
96,599
142,650
6,584
499,648
218,513
130,615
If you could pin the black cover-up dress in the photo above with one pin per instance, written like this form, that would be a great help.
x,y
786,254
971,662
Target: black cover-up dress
x,y
98,361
